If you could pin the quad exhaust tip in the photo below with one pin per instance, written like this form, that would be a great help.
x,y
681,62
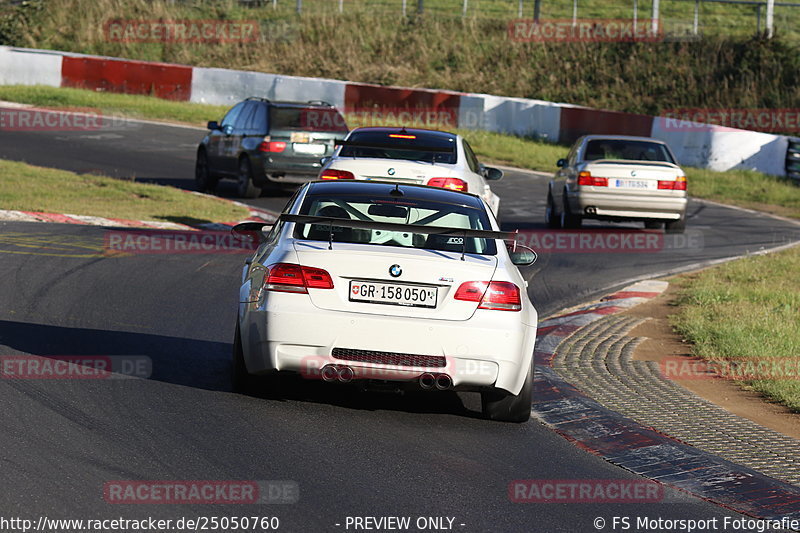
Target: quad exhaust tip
x,y
346,374
329,373
439,381
443,382
336,372
591,210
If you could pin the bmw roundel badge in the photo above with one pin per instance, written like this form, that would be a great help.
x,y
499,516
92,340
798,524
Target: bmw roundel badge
x,y
390,172
395,271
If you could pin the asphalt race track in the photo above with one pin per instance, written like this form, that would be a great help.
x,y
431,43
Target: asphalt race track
x,y
352,453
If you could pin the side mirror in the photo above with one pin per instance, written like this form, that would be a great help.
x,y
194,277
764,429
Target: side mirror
x,y
492,174
561,163
522,255
213,125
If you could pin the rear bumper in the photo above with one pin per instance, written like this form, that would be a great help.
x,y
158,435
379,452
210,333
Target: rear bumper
x,y
492,349
668,206
280,170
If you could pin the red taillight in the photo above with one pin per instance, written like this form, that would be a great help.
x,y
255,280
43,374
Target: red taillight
x,y
454,184
331,174
288,277
678,185
586,178
497,295
271,146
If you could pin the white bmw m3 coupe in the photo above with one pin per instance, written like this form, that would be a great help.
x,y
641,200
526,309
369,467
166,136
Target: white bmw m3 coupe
x,y
390,282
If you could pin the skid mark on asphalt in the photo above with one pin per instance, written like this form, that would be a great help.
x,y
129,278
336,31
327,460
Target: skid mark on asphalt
x,y
47,244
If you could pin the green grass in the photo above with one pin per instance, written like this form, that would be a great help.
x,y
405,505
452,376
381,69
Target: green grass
x,y
113,104
747,311
29,188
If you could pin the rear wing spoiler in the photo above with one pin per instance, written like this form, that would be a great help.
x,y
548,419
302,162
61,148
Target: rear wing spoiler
x,y
388,146
248,227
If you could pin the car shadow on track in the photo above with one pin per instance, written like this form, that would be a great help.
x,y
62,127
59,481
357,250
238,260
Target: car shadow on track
x,y
367,396
207,365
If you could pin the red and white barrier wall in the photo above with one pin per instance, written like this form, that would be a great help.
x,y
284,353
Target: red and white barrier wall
x,y
717,148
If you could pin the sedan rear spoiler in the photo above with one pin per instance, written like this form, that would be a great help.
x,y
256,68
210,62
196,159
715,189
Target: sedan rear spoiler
x,y
248,227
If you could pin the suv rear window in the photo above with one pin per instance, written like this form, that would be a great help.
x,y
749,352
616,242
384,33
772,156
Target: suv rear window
x,y
307,119
414,146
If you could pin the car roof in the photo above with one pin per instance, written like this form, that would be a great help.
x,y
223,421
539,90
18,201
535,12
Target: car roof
x,y
595,137
384,188
398,129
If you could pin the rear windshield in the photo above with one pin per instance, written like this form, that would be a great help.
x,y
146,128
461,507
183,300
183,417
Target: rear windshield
x,y
627,150
307,119
397,211
429,148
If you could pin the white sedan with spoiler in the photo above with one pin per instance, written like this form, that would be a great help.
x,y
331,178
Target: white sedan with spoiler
x,y
391,282
424,157
618,178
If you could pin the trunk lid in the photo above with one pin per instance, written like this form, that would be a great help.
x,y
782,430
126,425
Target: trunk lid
x,y
393,169
352,266
633,176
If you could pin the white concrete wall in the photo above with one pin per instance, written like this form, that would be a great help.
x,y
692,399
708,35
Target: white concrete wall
x,y
722,148
29,67
226,87
516,116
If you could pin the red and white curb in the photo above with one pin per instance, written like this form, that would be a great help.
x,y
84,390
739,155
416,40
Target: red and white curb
x,y
553,330
256,215
634,447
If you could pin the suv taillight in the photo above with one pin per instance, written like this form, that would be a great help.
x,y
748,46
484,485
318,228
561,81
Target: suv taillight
x,y
268,145
454,184
678,185
331,174
586,178
288,277
497,295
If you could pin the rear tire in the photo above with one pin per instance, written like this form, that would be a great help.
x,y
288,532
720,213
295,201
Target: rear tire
x,y
244,183
568,220
203,180
551,216
506,407
676,226
241,380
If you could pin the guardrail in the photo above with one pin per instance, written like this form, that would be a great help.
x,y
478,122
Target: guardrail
x,y
793,161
